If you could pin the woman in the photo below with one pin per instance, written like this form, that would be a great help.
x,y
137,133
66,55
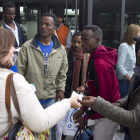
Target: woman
x,y
127,59
34,116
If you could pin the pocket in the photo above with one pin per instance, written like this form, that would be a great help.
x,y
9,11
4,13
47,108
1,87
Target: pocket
x,y
129,63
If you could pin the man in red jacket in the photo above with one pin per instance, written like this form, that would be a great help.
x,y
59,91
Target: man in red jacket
x,y
101,81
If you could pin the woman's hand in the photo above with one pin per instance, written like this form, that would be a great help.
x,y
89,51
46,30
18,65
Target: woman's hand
x,y
74,103
87,101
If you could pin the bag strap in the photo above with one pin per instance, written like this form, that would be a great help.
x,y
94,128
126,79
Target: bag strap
x,y
131,84
10,91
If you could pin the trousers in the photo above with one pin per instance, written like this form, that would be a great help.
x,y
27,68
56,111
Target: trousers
x,y
104,129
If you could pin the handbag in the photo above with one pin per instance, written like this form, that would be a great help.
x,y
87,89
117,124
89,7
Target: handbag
x,y
79,135
18,131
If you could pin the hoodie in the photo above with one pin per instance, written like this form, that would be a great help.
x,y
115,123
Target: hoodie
x,y
101,77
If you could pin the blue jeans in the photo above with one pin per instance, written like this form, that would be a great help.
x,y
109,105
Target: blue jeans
x,y
52,130
127,137
123,87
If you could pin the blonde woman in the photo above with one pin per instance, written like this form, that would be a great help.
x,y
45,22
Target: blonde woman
x,y
127,59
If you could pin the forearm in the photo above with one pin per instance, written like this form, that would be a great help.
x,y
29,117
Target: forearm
x,y
116,114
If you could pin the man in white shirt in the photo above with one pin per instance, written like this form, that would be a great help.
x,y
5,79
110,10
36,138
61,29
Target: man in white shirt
x,y
9,23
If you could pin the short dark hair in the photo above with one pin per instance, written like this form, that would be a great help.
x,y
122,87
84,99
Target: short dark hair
x,y
95,29
77,34
53,16
8,5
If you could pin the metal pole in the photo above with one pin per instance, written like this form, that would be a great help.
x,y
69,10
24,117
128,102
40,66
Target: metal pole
x,y
66,11
122,19
90,12
76,17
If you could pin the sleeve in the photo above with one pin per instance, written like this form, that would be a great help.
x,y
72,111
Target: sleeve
x,y
24,39
68,39
104,77
122,54
123,101
32,113
61,77
22,60
127,118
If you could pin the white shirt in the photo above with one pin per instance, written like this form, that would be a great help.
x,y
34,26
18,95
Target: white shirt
x,y
126,60
15,32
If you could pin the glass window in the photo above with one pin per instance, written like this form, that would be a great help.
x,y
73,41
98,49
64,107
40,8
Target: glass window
x,y
29,20
132,13
107,15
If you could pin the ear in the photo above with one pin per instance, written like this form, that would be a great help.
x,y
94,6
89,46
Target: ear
x,y
3,15
54,28
98,40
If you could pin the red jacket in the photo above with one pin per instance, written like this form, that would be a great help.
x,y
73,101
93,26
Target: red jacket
x,y
102,63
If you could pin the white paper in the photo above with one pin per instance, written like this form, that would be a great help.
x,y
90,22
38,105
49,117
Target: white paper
x,y
17,50
33,87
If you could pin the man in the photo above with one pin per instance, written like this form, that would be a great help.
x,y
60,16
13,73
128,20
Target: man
x,y
43,62
101,81
77,62
63,32
9,23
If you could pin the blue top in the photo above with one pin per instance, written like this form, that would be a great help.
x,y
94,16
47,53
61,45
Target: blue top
x,y
46,50
14,68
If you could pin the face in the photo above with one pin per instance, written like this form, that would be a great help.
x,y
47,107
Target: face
x,y
89,41
76,43
60,19
10,56
46,26
9,15
138,34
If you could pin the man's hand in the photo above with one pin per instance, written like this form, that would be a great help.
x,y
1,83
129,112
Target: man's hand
x,y
82,123
60,95
78,114
87,101
117,104
81,89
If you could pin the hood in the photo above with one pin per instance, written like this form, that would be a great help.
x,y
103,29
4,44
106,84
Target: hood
x,y
106,53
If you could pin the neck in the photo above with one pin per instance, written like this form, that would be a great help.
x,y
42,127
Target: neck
x,y
45,40
9,24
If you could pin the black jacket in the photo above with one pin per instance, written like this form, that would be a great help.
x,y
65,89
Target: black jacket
x,y
21,36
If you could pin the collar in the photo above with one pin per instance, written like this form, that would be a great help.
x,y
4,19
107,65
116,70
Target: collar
x,y
56,43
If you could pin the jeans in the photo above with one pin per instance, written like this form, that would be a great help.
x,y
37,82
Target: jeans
x,y
52,130
127,137
123,87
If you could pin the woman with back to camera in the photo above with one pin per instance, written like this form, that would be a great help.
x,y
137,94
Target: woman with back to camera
x,y
127,59
34,116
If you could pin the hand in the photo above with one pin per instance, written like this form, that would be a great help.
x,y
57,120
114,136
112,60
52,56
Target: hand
x,y
60,95
78,114
81,89
117,104
74,102
82,123
87,101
